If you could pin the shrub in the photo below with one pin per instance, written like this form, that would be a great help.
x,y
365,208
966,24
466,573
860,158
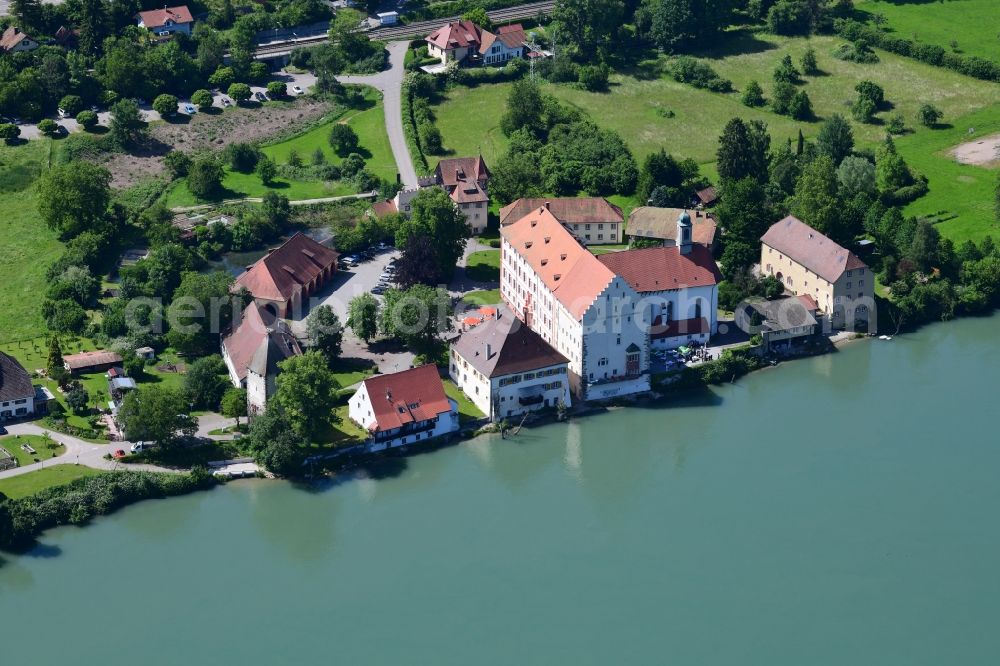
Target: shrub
x,y
800,107
87,119
872,91
47,126
858,53
240,92
178,163
785,71
9,132
753,94
222,78
686,69
343,139
928,115
781,97
242,157
205,178
277,90
809,64
430,138
202,99
896,124
165,105
863,110
71,105
595,77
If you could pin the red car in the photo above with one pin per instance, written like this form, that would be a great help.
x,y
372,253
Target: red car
x,y
119,454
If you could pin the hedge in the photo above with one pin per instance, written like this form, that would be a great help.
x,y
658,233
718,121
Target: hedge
x,y
410,129
932,54
22,520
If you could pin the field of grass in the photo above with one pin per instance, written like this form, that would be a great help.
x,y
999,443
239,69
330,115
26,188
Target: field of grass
x,y
641,97
28,245
466,410
17,487
484,266
971,23
349,371
369,124
961,195
487,297
45,449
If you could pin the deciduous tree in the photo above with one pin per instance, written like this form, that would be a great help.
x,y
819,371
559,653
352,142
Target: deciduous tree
x,y
307,394
74,197
325,332
363,315
157,414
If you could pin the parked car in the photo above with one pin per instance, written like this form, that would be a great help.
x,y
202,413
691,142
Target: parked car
x,y
141,446
3,431
259,96
61,130
297,90
62,113
378,289
190,109
226,101
119,454
95,108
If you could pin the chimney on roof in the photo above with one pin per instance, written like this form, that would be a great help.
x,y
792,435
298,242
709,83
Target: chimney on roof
x,y
489,350
388,395
547,205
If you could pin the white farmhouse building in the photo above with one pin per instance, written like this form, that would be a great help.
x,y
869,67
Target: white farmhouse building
x,y
678,286
577,305
408,407
506,369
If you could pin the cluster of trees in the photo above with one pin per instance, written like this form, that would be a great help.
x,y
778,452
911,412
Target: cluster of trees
x,y
415,316
554,149
827,184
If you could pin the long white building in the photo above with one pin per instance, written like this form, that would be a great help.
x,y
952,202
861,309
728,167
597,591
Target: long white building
x,y
577,305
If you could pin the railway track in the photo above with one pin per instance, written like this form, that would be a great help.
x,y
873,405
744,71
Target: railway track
x,y
412,30
422,28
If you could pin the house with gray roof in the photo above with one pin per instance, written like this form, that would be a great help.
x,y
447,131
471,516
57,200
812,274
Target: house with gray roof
x,y
507,369
17,394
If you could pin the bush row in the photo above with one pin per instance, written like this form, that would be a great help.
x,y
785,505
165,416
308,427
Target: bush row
x,y
686,69
410,128
932,54
22,520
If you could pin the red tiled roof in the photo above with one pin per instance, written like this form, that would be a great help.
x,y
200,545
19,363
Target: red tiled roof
x,y
383,208
808,302
663,268
672,329
90,359
707,196
805,246
512,36
457,34
469,191
283,272
573,275
451,172
11,37
568,210
406,397
256,327
157,18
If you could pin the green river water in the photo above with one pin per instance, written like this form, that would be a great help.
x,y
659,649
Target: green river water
x,y
836,510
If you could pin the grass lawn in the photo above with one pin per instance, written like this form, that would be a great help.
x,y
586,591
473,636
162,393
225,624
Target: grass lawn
x,y
604,249
640,97
488,297
29,247
971,23
961,195
344,432
466,410
484,266
349,371
44,448
369,123
16,487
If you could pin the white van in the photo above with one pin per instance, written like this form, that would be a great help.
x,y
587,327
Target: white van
x,y
141,446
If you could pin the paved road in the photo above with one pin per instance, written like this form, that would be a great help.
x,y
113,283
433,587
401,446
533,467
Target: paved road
x,y
390,82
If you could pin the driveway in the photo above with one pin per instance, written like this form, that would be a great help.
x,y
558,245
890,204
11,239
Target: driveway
x,y
390,83
78,452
